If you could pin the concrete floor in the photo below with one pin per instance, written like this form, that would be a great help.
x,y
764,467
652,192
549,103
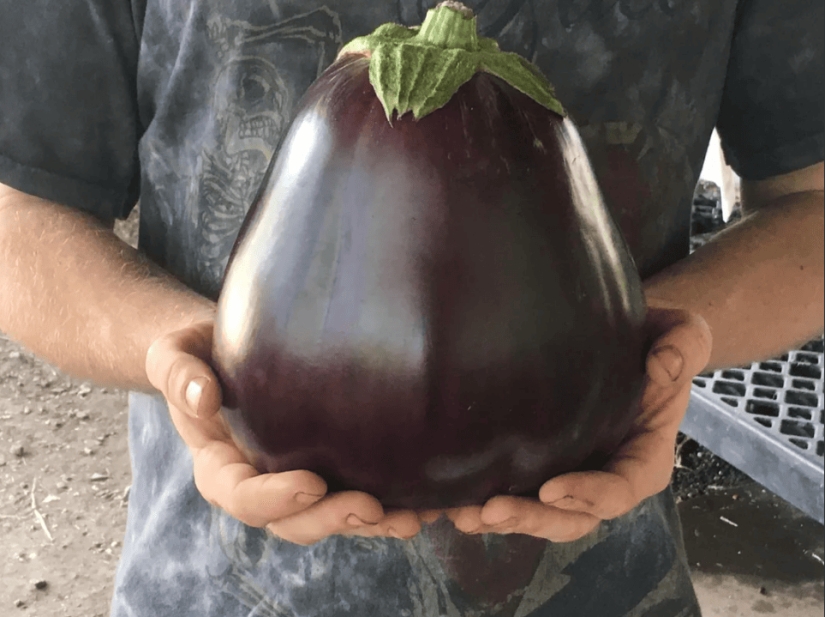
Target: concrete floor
x,y
753,554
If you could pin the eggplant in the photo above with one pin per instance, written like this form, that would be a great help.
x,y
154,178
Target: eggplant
x,y
428,299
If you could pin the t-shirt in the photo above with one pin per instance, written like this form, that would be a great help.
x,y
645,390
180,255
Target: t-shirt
x,y
182,105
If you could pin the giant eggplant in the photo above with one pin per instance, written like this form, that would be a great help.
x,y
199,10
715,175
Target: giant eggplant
x,y
428,299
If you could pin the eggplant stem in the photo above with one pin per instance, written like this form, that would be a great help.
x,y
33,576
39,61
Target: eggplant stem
x,y
419,70
456,6
450,27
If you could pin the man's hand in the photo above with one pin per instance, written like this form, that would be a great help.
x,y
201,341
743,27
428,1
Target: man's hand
x,y
292,505
573,505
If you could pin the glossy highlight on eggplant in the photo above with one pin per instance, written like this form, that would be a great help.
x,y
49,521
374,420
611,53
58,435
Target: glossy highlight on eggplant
x,y
432,311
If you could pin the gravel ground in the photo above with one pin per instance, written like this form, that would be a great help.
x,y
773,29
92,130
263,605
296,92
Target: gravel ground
x,y
64,478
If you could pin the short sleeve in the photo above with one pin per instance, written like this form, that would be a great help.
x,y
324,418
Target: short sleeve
x,y
773,108
69,124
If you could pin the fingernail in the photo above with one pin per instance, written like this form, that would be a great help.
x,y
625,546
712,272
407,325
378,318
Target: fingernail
x,y
306,499
194,392
671,360
354,521
394,534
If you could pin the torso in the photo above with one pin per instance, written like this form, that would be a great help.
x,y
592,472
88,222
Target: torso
x,y
218,83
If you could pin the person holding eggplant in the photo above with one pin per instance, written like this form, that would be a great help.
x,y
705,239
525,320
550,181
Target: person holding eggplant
x,y
182,107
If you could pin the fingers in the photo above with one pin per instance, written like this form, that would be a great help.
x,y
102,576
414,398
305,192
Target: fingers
x,y
176,364
603,495
226,480
681,349
399,524
292,505
430,516
505,515
646,460
527,516
340,513
641,468
466,520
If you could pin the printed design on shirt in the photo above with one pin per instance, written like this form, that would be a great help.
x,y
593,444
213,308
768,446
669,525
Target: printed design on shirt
x,y
613,576
270,577
477,575
253,100
573,12
244,547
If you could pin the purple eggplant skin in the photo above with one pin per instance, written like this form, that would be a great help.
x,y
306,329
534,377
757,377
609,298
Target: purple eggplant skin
x,y
434,312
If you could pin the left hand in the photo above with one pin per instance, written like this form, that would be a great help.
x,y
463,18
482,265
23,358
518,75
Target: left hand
x,y
573,505
293,505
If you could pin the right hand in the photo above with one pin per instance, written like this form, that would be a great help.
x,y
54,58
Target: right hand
x,y
292,505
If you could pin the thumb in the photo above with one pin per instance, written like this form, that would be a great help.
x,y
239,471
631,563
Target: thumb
x,y
682,349
177,365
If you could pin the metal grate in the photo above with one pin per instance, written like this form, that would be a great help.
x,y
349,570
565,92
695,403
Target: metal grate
x,y
766,419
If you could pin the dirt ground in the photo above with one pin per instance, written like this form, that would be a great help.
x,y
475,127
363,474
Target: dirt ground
x,y
64,482
64,478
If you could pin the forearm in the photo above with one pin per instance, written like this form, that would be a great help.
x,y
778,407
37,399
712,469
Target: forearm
x,y
79,297
759,284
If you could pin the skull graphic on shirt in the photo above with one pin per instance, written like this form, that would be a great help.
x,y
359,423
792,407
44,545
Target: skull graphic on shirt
x,y
251,107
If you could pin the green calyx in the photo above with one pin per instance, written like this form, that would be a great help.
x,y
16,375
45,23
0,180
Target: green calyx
x,y
420,69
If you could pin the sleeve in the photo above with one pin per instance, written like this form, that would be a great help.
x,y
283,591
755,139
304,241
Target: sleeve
x,y
69,123
771,117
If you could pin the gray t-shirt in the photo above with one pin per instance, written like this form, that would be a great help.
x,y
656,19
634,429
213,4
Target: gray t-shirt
x,y
182,104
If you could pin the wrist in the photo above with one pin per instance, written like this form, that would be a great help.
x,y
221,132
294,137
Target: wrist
x,y
758,284
169,307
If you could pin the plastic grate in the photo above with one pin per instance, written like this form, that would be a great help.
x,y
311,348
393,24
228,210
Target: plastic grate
x,y
784,396
767,420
